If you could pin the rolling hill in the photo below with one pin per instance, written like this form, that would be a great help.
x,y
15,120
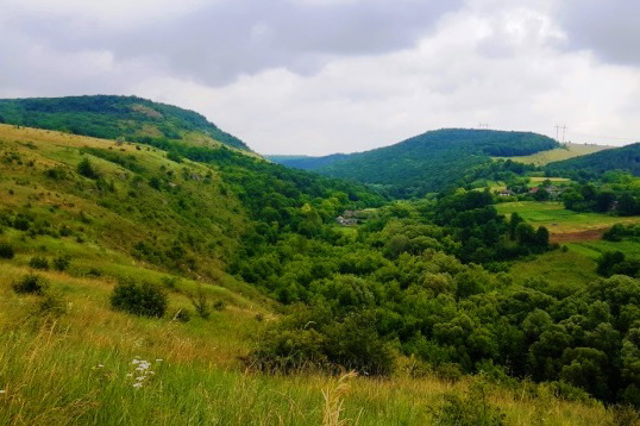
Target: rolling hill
x,y
624,158
112,117
428,162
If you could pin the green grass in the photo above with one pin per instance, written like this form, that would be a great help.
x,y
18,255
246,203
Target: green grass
x,y
594,249
559,220
568,270
569,151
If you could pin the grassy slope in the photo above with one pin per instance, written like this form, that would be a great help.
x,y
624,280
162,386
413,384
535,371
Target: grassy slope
x,y
192,209
73,370
569,150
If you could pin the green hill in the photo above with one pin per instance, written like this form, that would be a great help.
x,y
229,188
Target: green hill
x,y
431,161
592,165
113,117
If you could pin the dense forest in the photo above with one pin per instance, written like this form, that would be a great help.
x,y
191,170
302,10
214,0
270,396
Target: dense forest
x,y
111,117
433,160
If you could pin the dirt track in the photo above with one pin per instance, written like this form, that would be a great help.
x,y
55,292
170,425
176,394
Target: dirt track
x,y
572,237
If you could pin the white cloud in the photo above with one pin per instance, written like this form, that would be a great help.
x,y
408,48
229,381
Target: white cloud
x,y
320,76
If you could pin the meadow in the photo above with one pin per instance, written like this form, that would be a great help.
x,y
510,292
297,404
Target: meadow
x,y
559,220
569,150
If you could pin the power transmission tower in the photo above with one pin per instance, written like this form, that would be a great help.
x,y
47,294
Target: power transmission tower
x,y
483,126
564,131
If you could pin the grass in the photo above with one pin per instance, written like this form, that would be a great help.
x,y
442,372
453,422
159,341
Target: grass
x,y
594,249
569,151
559,220
567,270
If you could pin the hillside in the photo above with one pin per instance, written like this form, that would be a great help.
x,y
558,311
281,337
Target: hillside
x,y
113,117
433,160
563,152
592,165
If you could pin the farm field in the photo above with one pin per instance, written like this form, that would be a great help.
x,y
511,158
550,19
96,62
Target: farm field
x,y
564,225
545,157
594,249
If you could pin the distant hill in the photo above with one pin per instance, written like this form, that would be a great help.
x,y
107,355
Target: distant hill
x,y
304,162
428,162
563,152
624,158
113,117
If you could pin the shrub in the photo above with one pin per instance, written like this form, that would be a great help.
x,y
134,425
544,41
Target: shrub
x,y
468,411
38,262
86,169
200,303
142,299
61,263
52,305
219,305
31,284
6,251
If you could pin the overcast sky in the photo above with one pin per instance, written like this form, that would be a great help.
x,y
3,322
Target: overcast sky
x,y
323,76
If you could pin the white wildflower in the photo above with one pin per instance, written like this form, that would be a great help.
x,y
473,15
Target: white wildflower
x,y
100,365
135,361
137,385
129,374
2,391
141,378
159,360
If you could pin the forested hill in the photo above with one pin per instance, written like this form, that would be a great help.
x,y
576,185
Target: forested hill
x,y
113,117
624,158
433,160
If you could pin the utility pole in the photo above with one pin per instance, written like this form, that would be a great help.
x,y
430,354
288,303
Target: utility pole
x,y
564,131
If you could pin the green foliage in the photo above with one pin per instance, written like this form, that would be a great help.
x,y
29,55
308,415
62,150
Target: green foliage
x,y
39,262
6,251
142,299
472,410
61,263
612,162
110,117
433,160
31,284
86,169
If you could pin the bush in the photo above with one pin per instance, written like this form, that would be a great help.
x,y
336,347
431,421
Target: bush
x,y
470,411
86,169
38,262
61,263
31,284
142,299
6,251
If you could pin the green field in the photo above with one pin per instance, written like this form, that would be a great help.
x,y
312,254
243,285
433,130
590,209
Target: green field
x,y
559,220
594,249
569,151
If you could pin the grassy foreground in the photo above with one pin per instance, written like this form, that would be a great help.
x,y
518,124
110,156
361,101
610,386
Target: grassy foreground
x,y
81,367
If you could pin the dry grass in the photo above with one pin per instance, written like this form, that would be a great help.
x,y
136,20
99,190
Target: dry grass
x,y
571,150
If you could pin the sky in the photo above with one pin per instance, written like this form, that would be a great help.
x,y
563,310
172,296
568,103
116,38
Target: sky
x,y
316,77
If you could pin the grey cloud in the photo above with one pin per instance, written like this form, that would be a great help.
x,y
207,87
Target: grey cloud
x,y
222,40
607,27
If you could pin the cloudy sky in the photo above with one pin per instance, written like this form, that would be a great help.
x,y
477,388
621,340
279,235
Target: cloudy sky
x,y
322,76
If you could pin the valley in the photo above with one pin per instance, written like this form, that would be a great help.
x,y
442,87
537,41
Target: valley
x,y
176,277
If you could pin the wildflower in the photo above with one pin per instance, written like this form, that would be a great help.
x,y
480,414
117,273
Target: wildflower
x,y
159,360
137,385
141,378
2,391
100,365
129,374
135,361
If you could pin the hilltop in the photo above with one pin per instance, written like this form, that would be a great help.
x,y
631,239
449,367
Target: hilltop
x,y
428,162
112,117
